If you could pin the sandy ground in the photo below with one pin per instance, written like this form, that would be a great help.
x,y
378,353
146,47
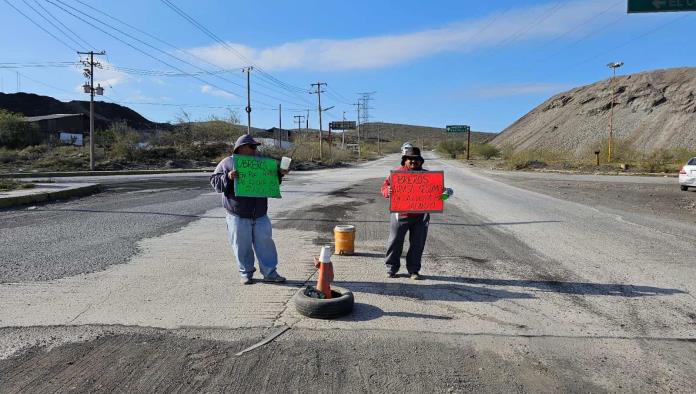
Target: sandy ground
x,y
523,293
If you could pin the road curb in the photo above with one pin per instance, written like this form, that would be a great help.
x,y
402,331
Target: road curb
x,y
98,173
6,202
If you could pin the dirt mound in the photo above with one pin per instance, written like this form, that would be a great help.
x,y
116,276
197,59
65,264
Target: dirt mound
x,y
652,110
30,104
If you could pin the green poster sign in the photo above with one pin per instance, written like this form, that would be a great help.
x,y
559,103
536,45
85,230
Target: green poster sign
x,y
256,177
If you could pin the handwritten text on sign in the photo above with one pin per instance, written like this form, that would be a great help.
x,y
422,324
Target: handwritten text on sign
x,y
416,191
256,177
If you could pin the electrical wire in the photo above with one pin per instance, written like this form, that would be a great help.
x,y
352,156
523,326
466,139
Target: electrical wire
x,y
40,27
225,45
219,71
85,42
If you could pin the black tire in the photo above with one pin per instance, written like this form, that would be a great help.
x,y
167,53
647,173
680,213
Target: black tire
x,y
340,305
684,188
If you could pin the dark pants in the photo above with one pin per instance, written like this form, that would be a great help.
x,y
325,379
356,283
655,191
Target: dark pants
x,y
417,228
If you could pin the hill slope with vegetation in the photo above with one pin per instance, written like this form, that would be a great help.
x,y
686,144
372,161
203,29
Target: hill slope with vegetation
x,y
652,111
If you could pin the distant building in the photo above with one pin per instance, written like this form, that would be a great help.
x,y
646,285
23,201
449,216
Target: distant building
x,y
68,128
71,139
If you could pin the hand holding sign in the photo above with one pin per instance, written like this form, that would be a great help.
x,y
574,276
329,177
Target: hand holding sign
x,y
416,191
255,177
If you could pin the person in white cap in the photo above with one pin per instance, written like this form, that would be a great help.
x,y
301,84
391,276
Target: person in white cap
x,y
415,224
248,226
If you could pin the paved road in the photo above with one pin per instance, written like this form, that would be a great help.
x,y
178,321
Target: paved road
x,y
524,292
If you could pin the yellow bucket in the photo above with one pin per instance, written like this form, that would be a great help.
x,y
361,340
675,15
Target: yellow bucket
x,y
344,235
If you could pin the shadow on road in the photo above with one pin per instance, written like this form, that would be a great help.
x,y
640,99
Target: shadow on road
x,y
365,312
432,223
583,288
128,212
436,292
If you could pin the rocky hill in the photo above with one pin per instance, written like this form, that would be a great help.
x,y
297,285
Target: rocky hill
x,y
416,134
30,104
652,110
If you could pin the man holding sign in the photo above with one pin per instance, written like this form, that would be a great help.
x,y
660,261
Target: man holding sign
x,y
414,192
246,182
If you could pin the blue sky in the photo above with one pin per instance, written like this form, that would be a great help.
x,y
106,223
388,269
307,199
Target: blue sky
x,y
482,63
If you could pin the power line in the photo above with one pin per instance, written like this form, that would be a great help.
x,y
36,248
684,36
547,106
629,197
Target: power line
x,y
219,71
225,45
84,42
159,50
40,27
142,51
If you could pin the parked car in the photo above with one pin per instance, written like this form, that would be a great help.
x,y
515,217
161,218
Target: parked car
x,y
687,175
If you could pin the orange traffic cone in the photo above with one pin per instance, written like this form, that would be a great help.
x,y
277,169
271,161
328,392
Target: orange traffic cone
x,y
326,276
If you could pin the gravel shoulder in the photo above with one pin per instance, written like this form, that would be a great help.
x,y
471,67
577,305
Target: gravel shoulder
x,y
652,196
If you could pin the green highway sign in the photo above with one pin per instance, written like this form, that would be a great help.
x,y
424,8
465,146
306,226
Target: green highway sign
x,y
460,128
636,6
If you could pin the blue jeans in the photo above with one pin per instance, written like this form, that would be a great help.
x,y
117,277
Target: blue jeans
x,y
247,236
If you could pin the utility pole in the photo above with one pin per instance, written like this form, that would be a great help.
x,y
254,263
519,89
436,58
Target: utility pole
x,y
298,119
280,125
379,148
318,92
89,88
343,134
247,70
357,105
613,66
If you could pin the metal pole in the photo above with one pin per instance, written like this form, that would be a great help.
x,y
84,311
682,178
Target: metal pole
x,y
379,148
91,111
343,134
318,92
468,143
280,126
359,126
611,115
248,107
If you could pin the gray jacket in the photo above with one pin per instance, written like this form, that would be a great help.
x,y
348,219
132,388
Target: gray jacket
x,y
244,207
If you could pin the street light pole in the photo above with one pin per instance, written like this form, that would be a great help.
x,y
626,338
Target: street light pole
x,y
613,66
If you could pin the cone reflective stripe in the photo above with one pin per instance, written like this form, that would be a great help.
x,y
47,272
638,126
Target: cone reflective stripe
x,y
326,276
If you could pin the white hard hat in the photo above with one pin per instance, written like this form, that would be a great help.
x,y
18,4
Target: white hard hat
x,y
405,146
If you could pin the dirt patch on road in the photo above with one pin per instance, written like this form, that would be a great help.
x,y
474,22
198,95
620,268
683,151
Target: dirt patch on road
x,y
665,201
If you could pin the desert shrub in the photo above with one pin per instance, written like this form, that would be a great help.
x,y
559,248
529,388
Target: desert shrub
x,y
64,158
8,155
33,152
486,151
536,158
451,147
11,184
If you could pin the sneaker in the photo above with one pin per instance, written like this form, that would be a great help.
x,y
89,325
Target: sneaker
x,y
274,279
416,276
391,274
246,281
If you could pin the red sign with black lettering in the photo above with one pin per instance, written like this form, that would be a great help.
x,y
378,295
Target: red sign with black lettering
x,y
416,191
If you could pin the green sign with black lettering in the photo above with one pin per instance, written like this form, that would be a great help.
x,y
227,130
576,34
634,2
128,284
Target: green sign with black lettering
x,y
256,177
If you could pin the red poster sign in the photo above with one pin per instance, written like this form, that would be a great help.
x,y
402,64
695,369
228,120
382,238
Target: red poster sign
x,y
416,191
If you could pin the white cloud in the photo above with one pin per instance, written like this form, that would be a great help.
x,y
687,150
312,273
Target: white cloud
x,y
207,89
521,89
545,21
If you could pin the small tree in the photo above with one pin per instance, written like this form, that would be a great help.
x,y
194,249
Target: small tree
x,y
451,147
487,151
15,132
